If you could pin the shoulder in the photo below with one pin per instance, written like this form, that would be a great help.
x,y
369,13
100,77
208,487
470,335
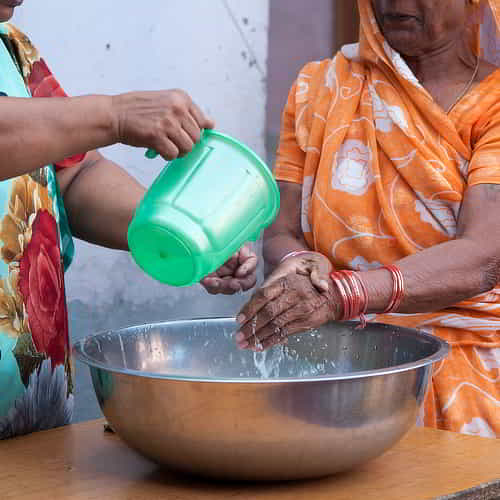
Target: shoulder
x,y
487,70
312,77
314,70
27,52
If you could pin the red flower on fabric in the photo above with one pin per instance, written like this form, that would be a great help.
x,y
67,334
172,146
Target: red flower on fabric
x,y
42,287
43,84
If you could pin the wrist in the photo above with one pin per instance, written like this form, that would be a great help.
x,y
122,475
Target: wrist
x,y
114,105
352,295
101,118
301,253
335,301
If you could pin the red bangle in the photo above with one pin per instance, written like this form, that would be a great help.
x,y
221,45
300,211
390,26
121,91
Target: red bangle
x,y
337,278
398,289
362,304
353,295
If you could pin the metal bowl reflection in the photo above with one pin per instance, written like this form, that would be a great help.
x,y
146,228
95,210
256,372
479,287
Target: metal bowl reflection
x,y
182,394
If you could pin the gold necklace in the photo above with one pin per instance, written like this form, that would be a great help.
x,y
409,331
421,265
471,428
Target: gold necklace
x,y
466,88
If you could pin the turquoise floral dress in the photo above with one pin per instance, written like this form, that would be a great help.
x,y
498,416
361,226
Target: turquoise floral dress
x,y
35,249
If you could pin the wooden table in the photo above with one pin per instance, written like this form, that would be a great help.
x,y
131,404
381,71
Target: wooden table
x,y
82,462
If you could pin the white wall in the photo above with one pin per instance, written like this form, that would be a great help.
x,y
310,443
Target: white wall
x,y
216,50
154,44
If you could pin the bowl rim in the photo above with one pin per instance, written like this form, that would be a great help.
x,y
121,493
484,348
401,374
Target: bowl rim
x,y
442,351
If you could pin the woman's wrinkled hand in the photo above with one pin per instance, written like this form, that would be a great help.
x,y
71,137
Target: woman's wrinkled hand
x,y
238,274
167,121
299,295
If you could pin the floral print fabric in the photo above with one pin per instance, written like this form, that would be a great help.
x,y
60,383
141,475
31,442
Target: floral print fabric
x,y
384,171
35,247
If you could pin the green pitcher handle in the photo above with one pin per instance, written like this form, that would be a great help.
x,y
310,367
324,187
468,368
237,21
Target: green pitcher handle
x,y
151,154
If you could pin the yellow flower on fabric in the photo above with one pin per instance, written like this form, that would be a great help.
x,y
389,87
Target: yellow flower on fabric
x,y
26,199
13,318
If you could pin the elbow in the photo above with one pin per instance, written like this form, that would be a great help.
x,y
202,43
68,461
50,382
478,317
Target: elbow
x,y
489,274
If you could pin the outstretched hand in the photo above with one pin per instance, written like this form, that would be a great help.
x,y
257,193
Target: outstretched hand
x,y
238,274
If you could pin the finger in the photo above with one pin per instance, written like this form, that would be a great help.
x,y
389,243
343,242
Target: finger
x,y
247,268
227,269
248,282
192,129
277,327
200,118
304,268
228,286
224,271
260,299
232,262
167,149
244,253
293,328
211,285
309,314
182,140
271,317
319,281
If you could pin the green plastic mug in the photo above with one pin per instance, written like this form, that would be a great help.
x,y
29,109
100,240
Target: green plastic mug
x,y
201,209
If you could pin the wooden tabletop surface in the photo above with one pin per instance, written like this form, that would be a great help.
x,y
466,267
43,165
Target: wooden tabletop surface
x,y
82,462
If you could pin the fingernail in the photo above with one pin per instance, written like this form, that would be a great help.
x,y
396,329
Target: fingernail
x,y
240,319
243,345
239,337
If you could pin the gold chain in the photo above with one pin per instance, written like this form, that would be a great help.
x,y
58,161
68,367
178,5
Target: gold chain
x,y
466,88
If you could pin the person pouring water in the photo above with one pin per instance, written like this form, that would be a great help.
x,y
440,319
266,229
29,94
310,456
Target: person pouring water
x,y
57,185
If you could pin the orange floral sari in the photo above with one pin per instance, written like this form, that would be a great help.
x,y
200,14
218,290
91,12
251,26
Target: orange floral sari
x,y
384,171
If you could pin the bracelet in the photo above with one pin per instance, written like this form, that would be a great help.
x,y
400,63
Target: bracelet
x,y
353,294
398,289
296,253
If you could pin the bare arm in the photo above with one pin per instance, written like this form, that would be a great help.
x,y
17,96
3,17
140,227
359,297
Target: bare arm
x,y
292,301
36,132
100,199
41,131
435,278
285,235
446,274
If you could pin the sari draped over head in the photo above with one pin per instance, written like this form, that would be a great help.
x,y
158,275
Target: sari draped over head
x,y
384,170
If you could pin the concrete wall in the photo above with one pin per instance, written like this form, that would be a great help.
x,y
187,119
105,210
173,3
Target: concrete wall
x,y
216,51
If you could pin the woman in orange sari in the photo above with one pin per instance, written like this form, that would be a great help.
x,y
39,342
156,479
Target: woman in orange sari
x,y
390,156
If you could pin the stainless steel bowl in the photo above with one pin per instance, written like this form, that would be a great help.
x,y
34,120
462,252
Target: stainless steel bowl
x,y
182,394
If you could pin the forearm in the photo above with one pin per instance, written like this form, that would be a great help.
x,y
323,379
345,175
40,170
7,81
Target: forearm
x,y
436,278
285,234
42,131
100,200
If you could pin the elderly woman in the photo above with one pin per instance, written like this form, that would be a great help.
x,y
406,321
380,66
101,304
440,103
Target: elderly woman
x,y
86,193
389,169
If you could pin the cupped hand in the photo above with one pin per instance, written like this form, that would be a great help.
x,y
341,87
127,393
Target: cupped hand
x,y
238,274
167,121
299,295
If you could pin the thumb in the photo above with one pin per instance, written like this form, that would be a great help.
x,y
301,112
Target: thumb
x,y
319,280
